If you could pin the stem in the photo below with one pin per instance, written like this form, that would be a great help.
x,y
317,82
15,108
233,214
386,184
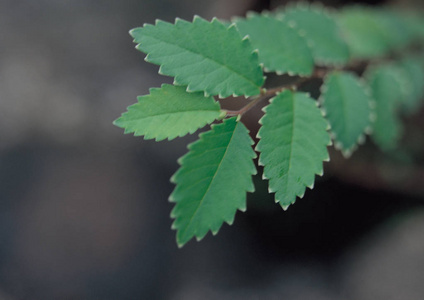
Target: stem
x,y
265,94
255,100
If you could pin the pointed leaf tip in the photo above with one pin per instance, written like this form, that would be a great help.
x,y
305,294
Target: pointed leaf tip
x,y
213,180
346,103
214,69
280,48
293,145
322,33
387,93
169,112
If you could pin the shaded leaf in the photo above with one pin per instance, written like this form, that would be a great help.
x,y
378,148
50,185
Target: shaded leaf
x,y
414,22
321,31
398,33
212,181
205,56
364,32
293,144
281,48
387,92
169,112
415,77
346,102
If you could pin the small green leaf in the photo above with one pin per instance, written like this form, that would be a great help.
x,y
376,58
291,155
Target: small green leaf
x,y
293,144
169,112
346,102
281,48
415,77
414,23
321,31
205,56
387,92
365,34
213,180
397,32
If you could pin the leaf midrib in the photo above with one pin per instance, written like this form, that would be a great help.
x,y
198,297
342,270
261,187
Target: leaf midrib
x,y
291,139
174,112
210,184
208,58
343,98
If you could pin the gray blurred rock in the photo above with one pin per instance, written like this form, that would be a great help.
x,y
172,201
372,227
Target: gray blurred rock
x,y
293,281
389,265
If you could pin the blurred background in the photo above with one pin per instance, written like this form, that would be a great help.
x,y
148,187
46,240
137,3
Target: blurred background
x,y
84,211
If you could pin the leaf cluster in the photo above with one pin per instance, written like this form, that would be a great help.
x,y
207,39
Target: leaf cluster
x,y
214,60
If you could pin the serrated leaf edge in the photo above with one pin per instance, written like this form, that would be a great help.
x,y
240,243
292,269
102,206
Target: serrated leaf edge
x,y
367,130
328,13
169,138
251,14
260,163
189,89
241,208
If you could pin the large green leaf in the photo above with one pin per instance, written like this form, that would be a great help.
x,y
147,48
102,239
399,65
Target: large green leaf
x,y
169,112
213,180
321,31
387,91
205,56
281,48
293,144
346,102
364,32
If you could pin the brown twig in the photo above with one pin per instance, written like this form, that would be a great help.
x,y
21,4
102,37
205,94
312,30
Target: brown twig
x,y
265,94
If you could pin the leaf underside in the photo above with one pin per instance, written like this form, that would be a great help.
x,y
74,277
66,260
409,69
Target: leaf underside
x,y
346,103
387,93
321,31
293,144
205,56
213,180
169,112
281,48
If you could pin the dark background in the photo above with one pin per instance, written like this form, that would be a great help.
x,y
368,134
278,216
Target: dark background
x,y
83,207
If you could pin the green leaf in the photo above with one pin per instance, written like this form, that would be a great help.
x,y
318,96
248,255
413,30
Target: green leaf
x,y
293,144
281,48
365,34
387,92
415,77
205,56
213,180
169,112
414,23
346,102
397,32
321,31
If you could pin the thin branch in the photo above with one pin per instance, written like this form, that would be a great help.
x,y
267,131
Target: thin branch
x,y
265,94
255,100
